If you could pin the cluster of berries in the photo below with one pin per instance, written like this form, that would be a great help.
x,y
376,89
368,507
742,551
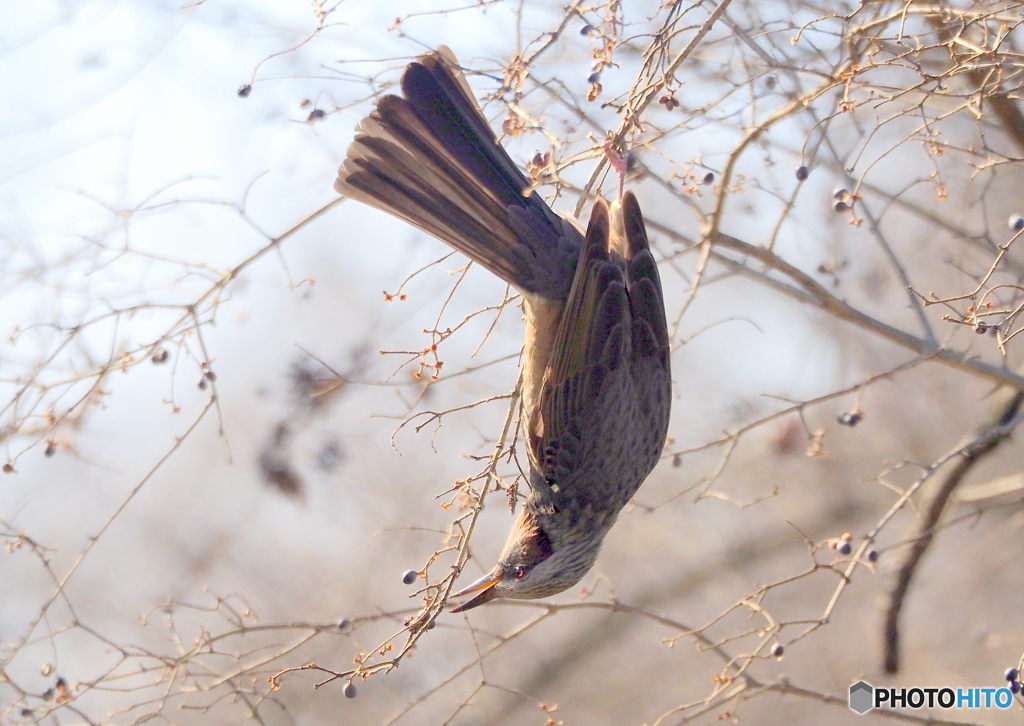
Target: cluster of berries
x,y
1013,676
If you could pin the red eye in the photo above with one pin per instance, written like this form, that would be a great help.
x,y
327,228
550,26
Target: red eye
x,y
520,572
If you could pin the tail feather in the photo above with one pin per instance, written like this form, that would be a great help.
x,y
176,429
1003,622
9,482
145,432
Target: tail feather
x,y
431,159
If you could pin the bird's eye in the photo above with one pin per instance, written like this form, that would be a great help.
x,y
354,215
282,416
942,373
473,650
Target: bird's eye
x,y
520,572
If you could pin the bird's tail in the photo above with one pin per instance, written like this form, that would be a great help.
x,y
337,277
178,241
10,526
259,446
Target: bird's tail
x,y
429,157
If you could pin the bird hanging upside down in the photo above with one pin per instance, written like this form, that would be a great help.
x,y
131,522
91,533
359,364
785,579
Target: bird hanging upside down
x,y
596,386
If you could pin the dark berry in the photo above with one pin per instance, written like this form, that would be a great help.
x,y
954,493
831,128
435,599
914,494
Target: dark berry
x,y
316,114
840,206
160,355
587,29
202,383
343,623
409,577
844,548
350,690
981,328
244,91
1014,686
802,172
1015,222
778,650
872,555
850,418
1011,674
709,178
594,77
841,193
51,449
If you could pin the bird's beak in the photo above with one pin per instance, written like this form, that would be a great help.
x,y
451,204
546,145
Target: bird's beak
x,y
484,586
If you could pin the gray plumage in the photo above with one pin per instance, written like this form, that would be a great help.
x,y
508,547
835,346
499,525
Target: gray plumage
x,y
596,378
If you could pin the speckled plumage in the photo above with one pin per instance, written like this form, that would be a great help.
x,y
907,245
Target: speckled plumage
x,y
596,379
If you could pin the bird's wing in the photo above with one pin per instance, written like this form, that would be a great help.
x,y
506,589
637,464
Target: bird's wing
x,y
606,392
646,300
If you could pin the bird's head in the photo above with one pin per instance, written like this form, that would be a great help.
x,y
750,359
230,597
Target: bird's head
x,y
535,563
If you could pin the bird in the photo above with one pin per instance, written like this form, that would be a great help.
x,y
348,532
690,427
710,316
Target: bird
x,y
596,381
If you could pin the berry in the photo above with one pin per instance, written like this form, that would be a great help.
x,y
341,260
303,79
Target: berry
x,y
778,650
350,690
850,418
844,548
1011,674
872,555
841,193
51,449
343,623
1014,687
587,29
802,173
840,206
160,355
981,328
409,577
1015,222
594,77
709,178
244,91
